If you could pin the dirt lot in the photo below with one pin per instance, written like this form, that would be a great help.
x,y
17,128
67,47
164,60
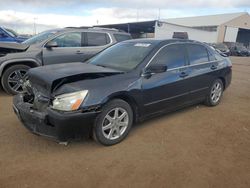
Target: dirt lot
x,y
196,147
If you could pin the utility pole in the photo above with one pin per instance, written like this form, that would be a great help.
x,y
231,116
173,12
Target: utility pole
x,y
34,28
137,15
159,14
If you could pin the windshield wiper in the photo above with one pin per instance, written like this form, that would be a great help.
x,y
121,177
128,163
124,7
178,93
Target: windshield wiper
x,y
110,67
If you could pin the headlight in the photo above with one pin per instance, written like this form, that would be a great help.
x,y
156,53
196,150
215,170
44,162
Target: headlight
x,y
69,101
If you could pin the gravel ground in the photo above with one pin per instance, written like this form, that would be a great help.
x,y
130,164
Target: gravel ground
x,y
196,147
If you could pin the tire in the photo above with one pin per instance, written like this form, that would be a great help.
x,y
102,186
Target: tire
x,y
109,128
215,93
13,79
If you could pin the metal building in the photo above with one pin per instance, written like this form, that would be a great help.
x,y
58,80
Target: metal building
x,y
214,28
233,27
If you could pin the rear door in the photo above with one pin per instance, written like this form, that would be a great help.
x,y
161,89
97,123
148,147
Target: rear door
x,y
69,49
201,67
168,90
95,42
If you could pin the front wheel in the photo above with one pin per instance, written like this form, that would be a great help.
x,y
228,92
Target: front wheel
x,y
13,78
215,93
113,124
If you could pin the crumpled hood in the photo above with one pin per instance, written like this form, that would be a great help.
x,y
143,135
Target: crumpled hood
x,y
13,46
53,76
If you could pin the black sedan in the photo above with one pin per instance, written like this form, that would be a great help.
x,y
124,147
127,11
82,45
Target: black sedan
x,y
239,50
126,83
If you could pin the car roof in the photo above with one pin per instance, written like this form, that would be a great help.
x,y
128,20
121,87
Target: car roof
x,y
93,29
162,41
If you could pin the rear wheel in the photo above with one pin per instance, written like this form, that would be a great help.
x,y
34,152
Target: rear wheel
x,y
13,79
215,93
114,122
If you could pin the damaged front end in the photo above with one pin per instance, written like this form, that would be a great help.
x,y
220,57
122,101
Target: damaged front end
x,y
33,108
53,102
9,47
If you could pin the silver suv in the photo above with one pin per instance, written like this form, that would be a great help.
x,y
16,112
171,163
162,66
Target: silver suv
x,y
52,47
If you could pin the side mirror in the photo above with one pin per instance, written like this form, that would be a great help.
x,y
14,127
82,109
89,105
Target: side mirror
x,y
154,69
51,44
160,68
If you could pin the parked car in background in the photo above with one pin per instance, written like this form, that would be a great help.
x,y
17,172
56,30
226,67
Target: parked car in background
x,y
52,47
239,50
128,82
8,35
221,48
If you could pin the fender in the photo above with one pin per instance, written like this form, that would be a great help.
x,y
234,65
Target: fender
x,y
124,95
13,61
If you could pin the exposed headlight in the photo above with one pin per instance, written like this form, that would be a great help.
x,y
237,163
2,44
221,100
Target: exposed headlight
x,y
69,101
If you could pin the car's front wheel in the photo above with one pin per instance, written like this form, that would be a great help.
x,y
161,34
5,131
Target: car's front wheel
x,y
215,94
13,78
113,124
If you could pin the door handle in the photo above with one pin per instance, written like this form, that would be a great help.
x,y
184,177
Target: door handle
x,y
213,67
183,74
79,52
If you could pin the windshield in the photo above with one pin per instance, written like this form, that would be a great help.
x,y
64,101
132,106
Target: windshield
x,y
11,32
40,37
123,56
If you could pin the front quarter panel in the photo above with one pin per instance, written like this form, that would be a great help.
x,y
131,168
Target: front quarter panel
x,y
104,89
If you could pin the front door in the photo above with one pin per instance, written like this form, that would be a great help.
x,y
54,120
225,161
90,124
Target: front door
x,y
69,49
168,90
202,71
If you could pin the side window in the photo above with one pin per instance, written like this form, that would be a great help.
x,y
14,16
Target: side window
x,y
69,40
97,39
173,56
197,54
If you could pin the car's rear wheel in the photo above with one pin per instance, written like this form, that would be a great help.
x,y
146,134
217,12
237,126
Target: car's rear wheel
x,y
215,93
13,79
114,122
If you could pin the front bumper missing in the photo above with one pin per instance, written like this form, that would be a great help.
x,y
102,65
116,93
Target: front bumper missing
x,y
53,124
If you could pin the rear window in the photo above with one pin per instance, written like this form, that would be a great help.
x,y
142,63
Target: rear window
x,y
120,37
197,54
97,39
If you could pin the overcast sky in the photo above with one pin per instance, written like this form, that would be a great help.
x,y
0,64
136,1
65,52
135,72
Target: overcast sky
x,y
20,15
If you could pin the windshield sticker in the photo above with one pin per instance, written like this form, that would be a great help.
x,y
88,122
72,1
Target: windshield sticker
x,y
142,45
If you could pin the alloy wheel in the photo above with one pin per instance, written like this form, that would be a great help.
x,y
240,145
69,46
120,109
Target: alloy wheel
x,y
115,123
216,92
16,80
